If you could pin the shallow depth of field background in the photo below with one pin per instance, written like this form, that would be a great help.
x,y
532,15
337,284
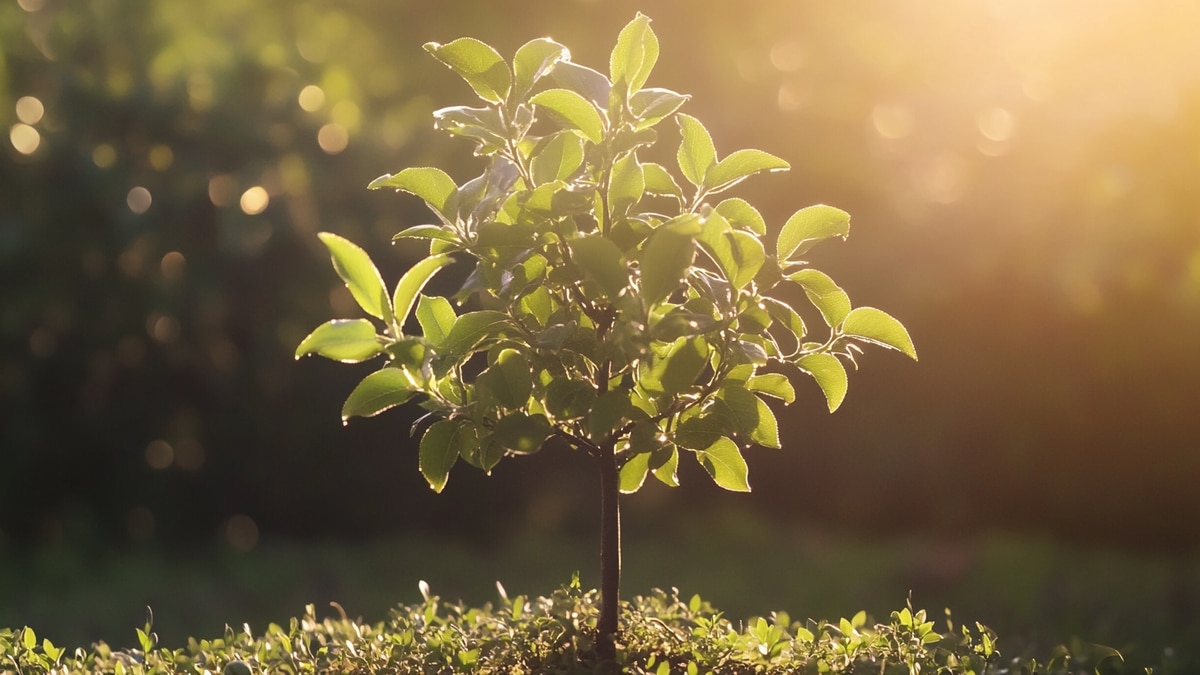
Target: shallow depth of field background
x,y
1024,180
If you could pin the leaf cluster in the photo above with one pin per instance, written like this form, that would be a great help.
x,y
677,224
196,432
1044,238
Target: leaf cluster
x,y
556,634
618,305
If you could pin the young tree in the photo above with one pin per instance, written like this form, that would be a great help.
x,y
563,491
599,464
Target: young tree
x,y
616,310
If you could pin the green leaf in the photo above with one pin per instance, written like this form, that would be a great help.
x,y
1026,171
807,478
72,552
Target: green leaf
x,y
28,638
355,268
533,61
659,181
809,226
830,375
572,111
751,415
602,262
739,254
634,55
508,380
650,106
472,329
825,295
696,151
878,327
481,66
556,157
584,81
569,399
414,280
633,474
626,185
701,431
784,314
436,317
345,340
427,232
664,462
521,433
433,185
608,414
482,125
666,257
724,462
676,368
740,165
742,215
772,384
440,447
381,390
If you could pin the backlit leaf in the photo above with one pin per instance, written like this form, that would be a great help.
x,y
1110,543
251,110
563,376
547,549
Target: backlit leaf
x,y
572,111
659,181
830,375
740,165
742,215
664,463
724,462
825,295
666,257
633,473
556,157
534,60
345,340
472,329
427,232
569,399
809,226
433,185
508,380
696,152
584,81
521,433
440,448
436,317
481,66
625,186
355,268
602,262
634,55
414,280
379,391
608,414
772,384
879,327
650,106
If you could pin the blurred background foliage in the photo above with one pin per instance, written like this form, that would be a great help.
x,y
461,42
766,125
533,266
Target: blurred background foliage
x,y
1023,181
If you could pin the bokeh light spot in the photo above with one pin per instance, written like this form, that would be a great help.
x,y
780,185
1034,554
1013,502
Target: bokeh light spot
x,y
892,120
161,157
104,156
31,6
241,532
312,98
172,265
997,124
221,190
788,56
255,200
159,454
346,114
333,138
24,138
939,178
138,199
30,109
201,91
164,329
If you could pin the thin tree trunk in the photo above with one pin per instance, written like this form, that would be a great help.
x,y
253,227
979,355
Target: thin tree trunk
x,y
610,553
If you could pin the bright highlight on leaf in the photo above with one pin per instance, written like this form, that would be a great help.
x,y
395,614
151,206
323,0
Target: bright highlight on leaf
x,y
345,340
879,327
354,266
481,66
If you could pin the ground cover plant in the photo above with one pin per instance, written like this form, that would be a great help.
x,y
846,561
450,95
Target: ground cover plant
x,y
612,309
664,633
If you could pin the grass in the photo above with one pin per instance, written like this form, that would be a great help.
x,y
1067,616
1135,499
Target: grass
x,y
1034,594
